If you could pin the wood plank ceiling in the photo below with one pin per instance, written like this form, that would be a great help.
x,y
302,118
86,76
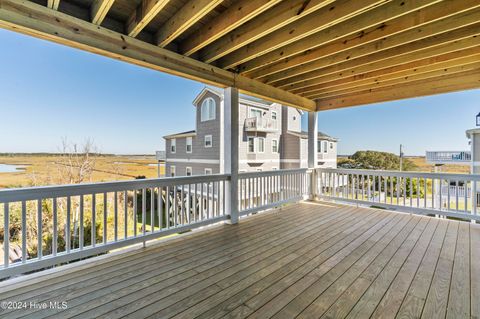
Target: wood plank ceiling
x,y
312,54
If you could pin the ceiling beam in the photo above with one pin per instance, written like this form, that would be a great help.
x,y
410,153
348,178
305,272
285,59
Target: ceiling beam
x,y
321,19
286,12
38,21
421,49
236,15
448,60
365,20
443,84
99,10
402,80
407,28
187,16
143,14
53,4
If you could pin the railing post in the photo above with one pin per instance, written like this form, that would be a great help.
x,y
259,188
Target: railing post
x,y
229,151
312,151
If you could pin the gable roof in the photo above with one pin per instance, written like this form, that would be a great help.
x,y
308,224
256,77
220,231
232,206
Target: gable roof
x,y
321,136
181,134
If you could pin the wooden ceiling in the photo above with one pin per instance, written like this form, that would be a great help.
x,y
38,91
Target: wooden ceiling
x,y
311,54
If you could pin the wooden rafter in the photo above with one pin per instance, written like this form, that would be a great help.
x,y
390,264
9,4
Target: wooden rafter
x,y
432,46
321,19
448,60
419,74
144,13
187,16
283,14
99,10
53,4
229,20
404,29
376,16
33,19
442,84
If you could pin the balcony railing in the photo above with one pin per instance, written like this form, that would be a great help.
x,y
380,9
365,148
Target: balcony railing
x,y
423,193
260,124
449,157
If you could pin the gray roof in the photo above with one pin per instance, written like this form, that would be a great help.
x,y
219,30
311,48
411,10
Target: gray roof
x,y
192,132
321,136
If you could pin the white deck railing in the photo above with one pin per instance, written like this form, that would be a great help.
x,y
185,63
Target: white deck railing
x,y
260,124
449,157
424,193
90,219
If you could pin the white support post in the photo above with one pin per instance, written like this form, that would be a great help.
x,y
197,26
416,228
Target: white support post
x,y
230,140
313,151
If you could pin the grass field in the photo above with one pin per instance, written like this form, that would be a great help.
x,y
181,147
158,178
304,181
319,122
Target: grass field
x,y
423,166
38,169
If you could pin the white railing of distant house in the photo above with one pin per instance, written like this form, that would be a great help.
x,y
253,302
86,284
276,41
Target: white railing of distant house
x,y
260,123
448,156
453,195
264,190
90,219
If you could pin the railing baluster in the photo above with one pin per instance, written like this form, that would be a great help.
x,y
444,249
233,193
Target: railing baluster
x,y
6,235
68,235
105,218
81,232
175,206
456,195
465,195
94,225
182,205
125,217
167,207
135,218
24,231
160,208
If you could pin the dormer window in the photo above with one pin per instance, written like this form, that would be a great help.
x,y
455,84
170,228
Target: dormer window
x,y
208,110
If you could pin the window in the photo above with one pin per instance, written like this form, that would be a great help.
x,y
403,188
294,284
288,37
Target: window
x,y
274,115
208,141
251,145
261,144
208,171
331,146
274,168
274,146
188,171
172,171
255,113
173,145
319,146
207,110
259,169
325,147
189,145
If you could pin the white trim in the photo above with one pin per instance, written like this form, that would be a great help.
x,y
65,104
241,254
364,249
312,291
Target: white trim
x,y
277,151
208,171
475,164
205,141
207,107
248,145
192,160
172,136
173,143
186,171
173,170
258,145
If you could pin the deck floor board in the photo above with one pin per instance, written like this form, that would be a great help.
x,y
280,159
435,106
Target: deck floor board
x,y
306,260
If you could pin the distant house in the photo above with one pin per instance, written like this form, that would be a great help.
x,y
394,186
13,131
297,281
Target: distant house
x,y
270,139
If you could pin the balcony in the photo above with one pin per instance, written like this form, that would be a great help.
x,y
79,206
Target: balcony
x,y
309,258
449,157
259,124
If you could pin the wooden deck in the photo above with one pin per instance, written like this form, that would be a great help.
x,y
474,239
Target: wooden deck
x,y
309,260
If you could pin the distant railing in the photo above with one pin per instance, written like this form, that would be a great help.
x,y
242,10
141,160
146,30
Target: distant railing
x,y
448,157
44,226
260,124
263,190
423,193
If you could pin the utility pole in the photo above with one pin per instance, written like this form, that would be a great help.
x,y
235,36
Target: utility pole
x,y
401,157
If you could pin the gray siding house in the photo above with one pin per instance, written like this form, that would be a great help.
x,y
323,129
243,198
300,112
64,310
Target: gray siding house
x,y
270,138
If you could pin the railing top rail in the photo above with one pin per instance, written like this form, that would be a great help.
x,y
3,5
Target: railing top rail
x,y
456,152
449,176
273,173
34,193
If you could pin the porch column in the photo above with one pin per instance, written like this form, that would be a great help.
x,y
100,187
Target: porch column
x,y
230,151
312,151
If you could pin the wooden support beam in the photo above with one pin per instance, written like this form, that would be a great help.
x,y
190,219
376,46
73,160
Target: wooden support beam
x,y
236,15
99,10
376,16
404,29
145,12
187,16
279,16
53,4
441,62
400,81
436,45
38,21
324,18
443,84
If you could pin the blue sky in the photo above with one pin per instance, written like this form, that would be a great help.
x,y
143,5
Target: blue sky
x,y
49,92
